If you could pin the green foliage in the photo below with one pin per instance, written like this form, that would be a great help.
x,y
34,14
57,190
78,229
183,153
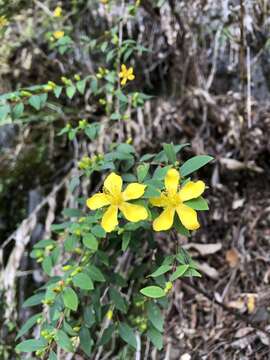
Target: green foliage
x,y
88,303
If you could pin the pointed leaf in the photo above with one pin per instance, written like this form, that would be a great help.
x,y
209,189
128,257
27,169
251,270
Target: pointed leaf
x,y
83,281
153,292
127,334
70,299
194,164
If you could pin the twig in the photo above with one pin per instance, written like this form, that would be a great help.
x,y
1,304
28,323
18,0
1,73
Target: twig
x,y
248,88
215,56
43,7
139,347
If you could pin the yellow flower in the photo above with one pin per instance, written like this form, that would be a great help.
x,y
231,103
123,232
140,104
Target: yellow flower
x,y
172,200
3,21
58,34
126,74
57,11
117,200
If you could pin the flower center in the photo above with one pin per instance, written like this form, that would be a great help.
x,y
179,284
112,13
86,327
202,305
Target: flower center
x,y
174,200
116,199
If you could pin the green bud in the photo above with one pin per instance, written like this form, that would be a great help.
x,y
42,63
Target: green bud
x,y
25,93
49,247
66,267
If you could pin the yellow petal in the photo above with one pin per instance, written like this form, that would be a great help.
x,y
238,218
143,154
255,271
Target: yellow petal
x,y
124,81
123,68
188,217
161,201
165,220
109,220
133,191
121,74
172,180
192,190
97,201
133,212
113,184
131,77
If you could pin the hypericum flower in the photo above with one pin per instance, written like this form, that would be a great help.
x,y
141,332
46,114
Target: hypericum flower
x,y
172,200
113,197
57,11
126,74
3,21
58,34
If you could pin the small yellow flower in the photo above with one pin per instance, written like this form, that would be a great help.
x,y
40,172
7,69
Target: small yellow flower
x,y
173,200
104,2
58,34
109,315
57,11
117,200
126,74
3,21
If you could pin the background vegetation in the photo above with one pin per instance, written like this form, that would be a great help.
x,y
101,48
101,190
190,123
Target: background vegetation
x,y
201,77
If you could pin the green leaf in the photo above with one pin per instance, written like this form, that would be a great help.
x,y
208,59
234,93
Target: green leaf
x,y
180,227
43,243
81,86
91,132
151,191
17,110
89,316
86,342
153,292
184,258
70,299
142,171
155,337
107,335
198,204
75,182
98,231
83,281
126,333
70,212
52,355
57,91
195,163
90,242
116,116
70,91
63,341
170,152
35,102
147,157
31,345
155,316
118,300
28,325
34,300
4,111
180,271
47,265
161,270
160,172
95,274
126,148
191,272
122,97
125,240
